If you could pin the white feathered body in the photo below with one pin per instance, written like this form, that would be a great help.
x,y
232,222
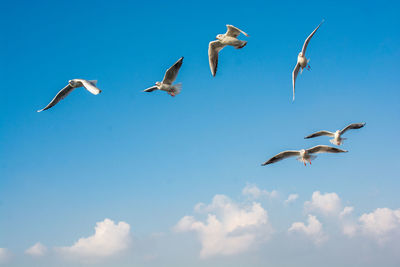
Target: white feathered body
x,y
228,40
337,139
302,60
169,88
304,156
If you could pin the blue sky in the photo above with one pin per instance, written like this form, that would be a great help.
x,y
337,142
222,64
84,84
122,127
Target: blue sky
x,y
148,159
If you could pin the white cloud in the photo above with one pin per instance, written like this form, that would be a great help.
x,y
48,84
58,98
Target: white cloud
x,y
254,192
327,204
109,239
4,255
230,228
381,224
349,229
291,198
36,250
346,211
313,230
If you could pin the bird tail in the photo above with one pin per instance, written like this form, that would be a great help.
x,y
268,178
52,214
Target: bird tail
x,y
311,157
177,88
337,143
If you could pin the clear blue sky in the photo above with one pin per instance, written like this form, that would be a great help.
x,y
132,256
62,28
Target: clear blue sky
x,y
147,159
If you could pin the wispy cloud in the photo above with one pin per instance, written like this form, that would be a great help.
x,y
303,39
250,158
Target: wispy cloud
x,y
4,255
253,192
291,198
37,250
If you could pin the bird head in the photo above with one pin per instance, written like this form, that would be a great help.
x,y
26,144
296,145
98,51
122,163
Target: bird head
x,y
219,36
72,82
158,84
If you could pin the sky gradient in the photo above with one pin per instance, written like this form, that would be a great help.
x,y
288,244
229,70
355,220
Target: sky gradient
x,y
146,160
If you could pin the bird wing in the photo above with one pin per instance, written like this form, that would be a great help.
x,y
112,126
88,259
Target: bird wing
x,y
90,86
320,133
352,126
151,89
60,95
294,76
233,31
213,49
303,51
281,156
172,72
324,149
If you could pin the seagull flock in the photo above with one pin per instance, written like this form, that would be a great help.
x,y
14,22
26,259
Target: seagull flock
x,y
230,38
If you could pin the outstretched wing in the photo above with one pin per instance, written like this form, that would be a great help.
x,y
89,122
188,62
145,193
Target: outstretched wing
x,y
90,86
172,72
213,49
151,89
60,95
324,149
233,31
320,133
294,76
281,156
303,51
352,126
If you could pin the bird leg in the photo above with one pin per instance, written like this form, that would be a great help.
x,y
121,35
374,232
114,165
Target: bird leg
x,y
308,67
304,163
310,162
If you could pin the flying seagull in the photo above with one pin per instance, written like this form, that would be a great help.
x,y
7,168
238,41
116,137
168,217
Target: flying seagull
x,y
229,38
303,155
169,78
337,136
302,61
89,85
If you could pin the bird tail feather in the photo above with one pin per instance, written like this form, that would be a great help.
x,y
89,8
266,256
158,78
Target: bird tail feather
x,y
177,88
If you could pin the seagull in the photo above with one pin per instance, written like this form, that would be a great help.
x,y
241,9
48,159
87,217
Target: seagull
x,y
89,85
229,38
303,155
302,61
169,78
337,136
